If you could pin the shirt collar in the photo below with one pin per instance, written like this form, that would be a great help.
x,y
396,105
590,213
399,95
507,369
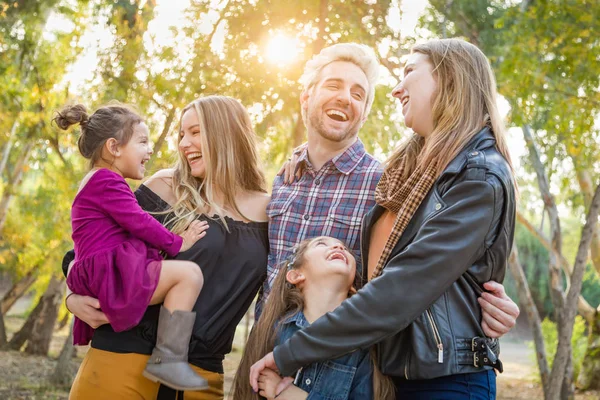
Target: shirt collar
x,y
345,162
297,319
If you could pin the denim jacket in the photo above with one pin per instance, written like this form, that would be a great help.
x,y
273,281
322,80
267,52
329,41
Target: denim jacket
x,y
349,377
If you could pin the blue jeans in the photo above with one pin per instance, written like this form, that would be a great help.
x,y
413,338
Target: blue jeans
x,y
475,386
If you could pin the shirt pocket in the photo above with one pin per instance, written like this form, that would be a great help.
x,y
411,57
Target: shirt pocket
x,y
345,223
334,381
279,206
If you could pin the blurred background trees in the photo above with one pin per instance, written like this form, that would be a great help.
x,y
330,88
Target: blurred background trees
x,y
160,55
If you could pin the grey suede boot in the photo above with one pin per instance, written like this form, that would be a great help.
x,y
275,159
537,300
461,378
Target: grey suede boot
x,y
168,362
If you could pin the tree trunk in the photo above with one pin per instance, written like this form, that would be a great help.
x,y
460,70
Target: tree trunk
x,y
8,146
526,301
17,290
63,322
19,338
556,284
589,376
37,330
2,331
567,391
584,177
165,131
63,373
39,341
569,311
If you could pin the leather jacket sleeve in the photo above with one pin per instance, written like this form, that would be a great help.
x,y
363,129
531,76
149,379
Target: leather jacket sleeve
x,y
447,244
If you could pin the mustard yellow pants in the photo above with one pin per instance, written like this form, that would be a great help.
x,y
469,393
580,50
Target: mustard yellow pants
x,y
104,375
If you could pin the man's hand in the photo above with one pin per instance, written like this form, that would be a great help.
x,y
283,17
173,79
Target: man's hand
x,y
499,311
86,309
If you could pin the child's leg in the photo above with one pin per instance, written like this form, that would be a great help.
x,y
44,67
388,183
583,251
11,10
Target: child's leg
x,y
179,285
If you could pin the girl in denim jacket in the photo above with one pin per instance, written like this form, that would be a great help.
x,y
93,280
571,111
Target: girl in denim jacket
x,y
315,280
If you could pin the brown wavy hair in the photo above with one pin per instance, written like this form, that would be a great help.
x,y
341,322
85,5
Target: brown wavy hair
x,y
464,103
284,301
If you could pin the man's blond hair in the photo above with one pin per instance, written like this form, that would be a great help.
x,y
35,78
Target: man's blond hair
x,y
362,56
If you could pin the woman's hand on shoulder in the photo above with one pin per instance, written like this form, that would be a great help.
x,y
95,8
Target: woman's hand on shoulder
x,y
161,184
288,169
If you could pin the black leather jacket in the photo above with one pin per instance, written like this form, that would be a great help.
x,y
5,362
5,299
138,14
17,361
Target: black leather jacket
x,y
422,312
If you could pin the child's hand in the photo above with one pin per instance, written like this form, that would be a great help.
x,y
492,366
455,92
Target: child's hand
x,y
193,233
267,383
292,393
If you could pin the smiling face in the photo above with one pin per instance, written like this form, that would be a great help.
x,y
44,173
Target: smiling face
x,y
416,93
131,158
190,143
327,261
335,105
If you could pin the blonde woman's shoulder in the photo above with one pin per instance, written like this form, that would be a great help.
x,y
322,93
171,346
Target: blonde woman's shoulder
x,y
254,205
161,184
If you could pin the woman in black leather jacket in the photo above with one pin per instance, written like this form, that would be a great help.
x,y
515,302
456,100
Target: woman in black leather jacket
x,y
443,225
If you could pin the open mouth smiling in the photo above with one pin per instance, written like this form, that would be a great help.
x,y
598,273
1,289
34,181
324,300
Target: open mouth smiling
x,y
337,115
404,100
337,255
194,156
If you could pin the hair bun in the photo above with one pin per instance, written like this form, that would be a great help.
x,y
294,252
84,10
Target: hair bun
x,y
71,115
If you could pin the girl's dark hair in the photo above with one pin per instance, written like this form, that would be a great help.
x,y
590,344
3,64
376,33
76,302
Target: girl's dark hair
x,y
112,121
284,301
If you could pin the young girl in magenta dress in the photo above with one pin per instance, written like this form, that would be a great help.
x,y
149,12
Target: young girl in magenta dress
x,y
118,245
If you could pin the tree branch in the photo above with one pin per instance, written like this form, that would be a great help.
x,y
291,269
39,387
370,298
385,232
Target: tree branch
x,y
565,329
556,289
526,300
585,309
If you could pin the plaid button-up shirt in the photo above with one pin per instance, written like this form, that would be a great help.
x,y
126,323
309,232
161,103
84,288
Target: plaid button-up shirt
x,y
328,202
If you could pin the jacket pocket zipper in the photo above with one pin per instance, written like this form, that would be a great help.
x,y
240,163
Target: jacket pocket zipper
x,y
436,336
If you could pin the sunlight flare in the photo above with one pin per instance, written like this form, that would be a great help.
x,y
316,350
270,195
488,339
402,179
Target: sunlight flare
x,y
282,49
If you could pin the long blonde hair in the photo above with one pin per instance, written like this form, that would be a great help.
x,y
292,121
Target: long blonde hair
x,y
231,158
464,103
284,301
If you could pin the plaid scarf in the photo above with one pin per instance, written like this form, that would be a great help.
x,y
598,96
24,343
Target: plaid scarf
x,y
403,198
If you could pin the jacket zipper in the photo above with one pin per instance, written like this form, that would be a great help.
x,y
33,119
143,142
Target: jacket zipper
x,y
437,337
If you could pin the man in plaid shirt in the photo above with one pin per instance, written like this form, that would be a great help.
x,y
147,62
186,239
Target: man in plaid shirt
x,y
336,178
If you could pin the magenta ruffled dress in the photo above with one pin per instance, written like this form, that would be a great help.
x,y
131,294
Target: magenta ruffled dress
x,y
117,252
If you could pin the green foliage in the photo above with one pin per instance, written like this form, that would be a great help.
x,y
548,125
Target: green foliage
x,y
534,259
578,343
